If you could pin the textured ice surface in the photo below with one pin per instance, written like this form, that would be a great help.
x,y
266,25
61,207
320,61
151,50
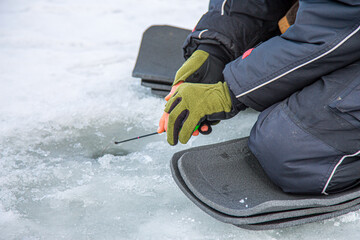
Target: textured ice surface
x,y
65,94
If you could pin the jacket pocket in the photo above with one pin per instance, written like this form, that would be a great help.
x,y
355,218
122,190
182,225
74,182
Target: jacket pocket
x,y
347,105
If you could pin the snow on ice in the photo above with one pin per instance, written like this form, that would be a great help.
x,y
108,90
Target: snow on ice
x,y
66,92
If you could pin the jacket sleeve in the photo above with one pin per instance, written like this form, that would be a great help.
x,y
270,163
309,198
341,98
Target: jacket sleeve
x,y
237,25
324,38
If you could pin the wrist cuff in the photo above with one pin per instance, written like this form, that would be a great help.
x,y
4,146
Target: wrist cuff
x,y
215,51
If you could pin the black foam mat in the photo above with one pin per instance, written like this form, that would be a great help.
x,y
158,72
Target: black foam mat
x,y
160,93
298,221
264,203
155,85
160,54
280,218
228,173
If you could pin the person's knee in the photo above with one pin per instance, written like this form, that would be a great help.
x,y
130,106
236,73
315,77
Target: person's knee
x,y
293,159
270,146
344,175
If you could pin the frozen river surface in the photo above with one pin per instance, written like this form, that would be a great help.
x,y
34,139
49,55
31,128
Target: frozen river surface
x,y
65,93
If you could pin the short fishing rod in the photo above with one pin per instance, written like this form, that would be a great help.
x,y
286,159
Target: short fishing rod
x,y
135,138
146,135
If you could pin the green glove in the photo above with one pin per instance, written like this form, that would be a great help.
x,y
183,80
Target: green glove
x,y
193,103
201,67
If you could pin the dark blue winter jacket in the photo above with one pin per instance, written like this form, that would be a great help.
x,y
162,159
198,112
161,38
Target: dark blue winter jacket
x,y
324,38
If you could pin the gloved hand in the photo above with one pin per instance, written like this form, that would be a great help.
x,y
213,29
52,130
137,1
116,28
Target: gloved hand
x,y
201,67
191,104
205,127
